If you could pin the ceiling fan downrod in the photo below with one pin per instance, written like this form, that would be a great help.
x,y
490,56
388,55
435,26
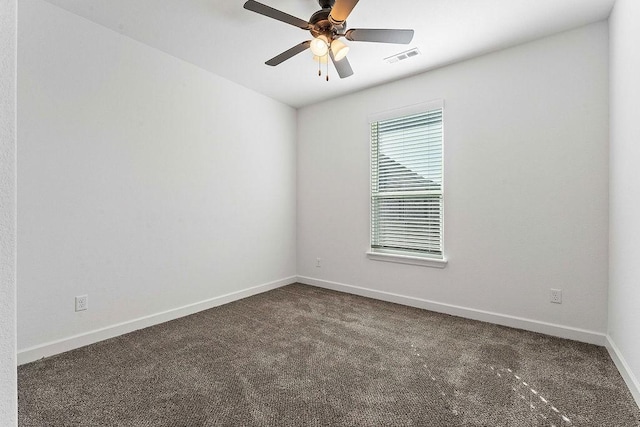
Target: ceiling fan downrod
x,y
326,4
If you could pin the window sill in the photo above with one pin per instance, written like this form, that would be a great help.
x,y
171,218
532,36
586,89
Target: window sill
x,y
407,259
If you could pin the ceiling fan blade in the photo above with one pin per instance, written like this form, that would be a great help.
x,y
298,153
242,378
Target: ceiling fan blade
x,y
289,53
380,35
265,10
342,67
341,10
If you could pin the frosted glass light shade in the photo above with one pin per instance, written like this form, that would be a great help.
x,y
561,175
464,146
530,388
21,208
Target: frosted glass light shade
x,y
320,46
339,49
321,59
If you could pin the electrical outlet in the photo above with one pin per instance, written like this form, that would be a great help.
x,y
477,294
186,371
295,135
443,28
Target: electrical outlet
x,y
82,302
556,296
318,262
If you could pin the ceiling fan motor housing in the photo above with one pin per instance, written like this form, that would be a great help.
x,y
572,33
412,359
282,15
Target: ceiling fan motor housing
x,y
321,25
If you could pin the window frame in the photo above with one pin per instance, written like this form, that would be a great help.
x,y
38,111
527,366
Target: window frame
x,y
402,256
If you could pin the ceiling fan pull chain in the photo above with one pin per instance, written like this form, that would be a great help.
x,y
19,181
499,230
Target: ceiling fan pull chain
x,y
327,67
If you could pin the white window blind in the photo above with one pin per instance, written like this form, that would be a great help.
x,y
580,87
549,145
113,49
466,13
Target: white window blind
x,y
406,184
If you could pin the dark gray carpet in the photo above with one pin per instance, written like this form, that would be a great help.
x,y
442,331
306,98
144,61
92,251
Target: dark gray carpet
x,y
300,355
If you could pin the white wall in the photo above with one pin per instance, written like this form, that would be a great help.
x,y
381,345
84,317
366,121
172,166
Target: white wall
x,y
624,274
526,187
144,182
8,392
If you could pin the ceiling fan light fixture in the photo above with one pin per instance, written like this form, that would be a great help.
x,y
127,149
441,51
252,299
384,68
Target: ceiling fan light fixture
x,y
339,49
320,45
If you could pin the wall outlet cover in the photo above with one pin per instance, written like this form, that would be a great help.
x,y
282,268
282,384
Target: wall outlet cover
x,y
82,302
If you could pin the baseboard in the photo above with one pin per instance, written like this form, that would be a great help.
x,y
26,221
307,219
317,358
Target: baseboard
x,y
60,346
624,369
576,334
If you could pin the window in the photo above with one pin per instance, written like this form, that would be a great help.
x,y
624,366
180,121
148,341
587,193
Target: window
x,y
406,186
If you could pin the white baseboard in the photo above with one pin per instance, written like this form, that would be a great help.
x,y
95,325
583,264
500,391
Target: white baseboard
x,y
60,346
561,331
628,376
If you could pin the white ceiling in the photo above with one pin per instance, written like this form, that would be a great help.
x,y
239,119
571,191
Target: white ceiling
x,y
222,37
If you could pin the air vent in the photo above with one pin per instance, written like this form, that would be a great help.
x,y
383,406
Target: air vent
x,y
403,55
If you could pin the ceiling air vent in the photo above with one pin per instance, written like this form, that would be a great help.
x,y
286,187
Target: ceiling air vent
x,y
402,55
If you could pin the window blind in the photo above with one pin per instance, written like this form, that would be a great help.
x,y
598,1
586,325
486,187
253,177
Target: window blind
x,y
406,184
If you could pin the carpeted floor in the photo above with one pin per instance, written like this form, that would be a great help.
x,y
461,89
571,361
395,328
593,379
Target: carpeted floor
x,y
300,355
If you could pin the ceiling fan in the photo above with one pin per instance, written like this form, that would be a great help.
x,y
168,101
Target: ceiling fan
x,y
327,26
